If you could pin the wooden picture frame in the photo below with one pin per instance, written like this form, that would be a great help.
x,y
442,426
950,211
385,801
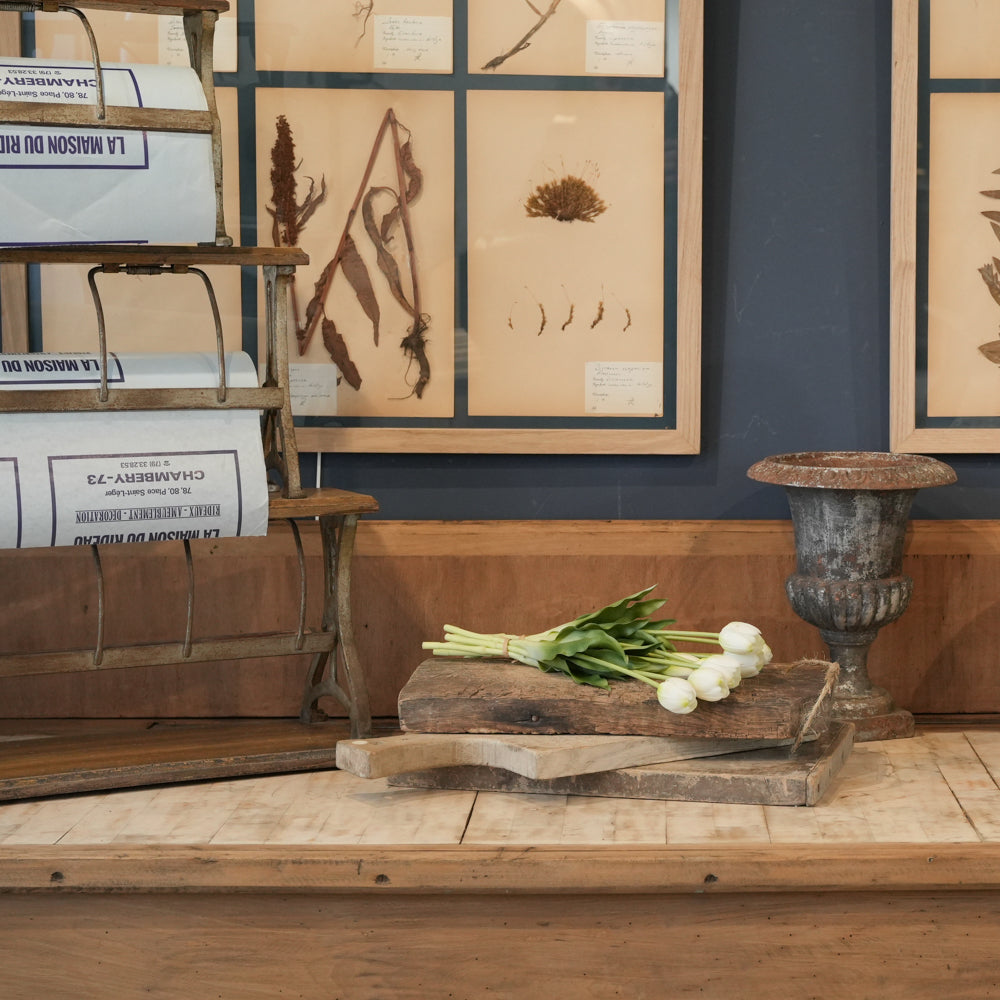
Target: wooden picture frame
x,y
644,402
942,312
678,430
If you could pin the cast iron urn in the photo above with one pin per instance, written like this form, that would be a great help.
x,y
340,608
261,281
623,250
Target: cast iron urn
x,y
849,511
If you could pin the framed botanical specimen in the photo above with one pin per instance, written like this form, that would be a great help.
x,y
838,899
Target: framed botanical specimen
x,y
945,394
501,203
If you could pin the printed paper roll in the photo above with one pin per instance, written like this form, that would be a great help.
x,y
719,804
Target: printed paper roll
x,y
84,185
105,478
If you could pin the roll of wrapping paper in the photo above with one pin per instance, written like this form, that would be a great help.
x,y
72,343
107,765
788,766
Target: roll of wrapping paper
x,y
68,184
100,478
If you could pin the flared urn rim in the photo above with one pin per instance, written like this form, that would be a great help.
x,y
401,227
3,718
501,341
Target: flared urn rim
x,y
852,470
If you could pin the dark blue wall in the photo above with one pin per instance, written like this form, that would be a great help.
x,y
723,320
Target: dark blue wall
x,y
796,295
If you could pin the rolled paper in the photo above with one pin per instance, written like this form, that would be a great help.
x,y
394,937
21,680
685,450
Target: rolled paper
x,y
100,478
74,184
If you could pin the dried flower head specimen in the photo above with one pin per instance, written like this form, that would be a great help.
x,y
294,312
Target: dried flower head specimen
x,y
569,199
525,41
289,216
385,210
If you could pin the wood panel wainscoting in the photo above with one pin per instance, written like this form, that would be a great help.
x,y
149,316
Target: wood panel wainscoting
x,y
411,577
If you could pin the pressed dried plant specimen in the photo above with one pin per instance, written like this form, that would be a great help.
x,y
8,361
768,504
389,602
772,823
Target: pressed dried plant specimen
x,y
543,16
384,211
288,215
990,274
568,199
363,10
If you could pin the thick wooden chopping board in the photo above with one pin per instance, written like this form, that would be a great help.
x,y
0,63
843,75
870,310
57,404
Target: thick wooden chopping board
x,y
530,756
497,696
771,777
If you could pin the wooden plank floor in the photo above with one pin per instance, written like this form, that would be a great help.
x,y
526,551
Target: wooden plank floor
x,y
941,787
322,884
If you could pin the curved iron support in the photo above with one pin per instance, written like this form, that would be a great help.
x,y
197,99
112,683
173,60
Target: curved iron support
x,y
99,644
31,6
102,335
300,634
338,533
189,627
150,271
95,55
216,316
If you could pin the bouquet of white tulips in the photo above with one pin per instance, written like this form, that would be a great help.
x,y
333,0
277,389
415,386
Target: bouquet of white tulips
x,y
621,642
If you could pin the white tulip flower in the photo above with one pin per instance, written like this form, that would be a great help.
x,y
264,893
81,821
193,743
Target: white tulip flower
x,y
739,637
708,684
751,664
728,664
677,695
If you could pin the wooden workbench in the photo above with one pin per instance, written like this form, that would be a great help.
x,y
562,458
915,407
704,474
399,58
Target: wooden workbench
x,y
322,884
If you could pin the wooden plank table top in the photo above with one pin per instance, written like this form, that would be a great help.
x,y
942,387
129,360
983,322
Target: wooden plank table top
x,y
904,813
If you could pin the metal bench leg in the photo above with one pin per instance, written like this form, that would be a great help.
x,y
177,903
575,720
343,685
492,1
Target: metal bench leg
x,y
338,532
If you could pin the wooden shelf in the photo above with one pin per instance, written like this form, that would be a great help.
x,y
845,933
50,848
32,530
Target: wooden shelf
x,y
110,255
322,503
169,7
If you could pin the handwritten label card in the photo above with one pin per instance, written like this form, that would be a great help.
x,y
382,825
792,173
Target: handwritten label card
x,y
625,48
173,48
625,388
313,390
404,42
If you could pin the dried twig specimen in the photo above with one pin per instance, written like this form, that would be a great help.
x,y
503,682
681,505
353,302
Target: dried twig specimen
x,y
569,199
380,229
526,39
289,216
363,12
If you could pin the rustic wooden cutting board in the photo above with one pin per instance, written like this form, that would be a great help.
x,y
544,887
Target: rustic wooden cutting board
x,y
497,696
530,756
772,777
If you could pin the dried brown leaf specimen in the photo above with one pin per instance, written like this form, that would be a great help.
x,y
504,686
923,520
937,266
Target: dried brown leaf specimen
x,y
990,273
357,274
380,227
337,349
569,199
526,39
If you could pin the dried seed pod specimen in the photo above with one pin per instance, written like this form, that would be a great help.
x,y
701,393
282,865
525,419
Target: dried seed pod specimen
x,y
569,199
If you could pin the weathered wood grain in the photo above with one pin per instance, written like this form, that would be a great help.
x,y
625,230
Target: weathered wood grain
x,y
497,696
773,777
61,765
531,756
410,577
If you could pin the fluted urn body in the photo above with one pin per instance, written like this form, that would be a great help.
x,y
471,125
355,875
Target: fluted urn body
x,y
849,512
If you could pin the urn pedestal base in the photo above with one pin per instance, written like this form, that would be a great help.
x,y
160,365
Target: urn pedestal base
x,y
874,717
